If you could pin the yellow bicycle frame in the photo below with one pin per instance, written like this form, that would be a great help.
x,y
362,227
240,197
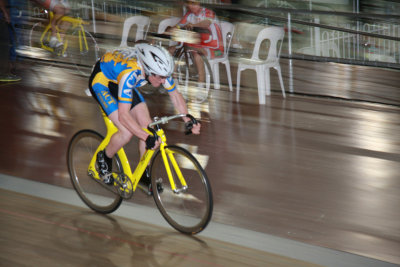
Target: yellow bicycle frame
x,y
76,23
144,161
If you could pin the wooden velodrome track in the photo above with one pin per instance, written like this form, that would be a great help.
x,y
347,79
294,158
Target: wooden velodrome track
x,y
321,171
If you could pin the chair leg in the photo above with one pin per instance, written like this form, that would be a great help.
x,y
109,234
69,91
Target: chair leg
x,y
215,71
260,84
267,81
228,73
278,69
238,84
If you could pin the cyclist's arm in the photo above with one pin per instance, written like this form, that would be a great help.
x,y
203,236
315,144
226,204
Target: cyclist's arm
x,y
126,84
180,105
176,97
202,24
179,102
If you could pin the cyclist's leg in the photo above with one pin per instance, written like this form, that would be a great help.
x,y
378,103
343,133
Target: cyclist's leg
x,y
101,92
210,49
107,100
59,10
141,115
120,138
197,53
200,67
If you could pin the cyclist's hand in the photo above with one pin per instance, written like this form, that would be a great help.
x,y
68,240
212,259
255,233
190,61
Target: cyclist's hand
x,y
189,26
192,128
196,128
152,142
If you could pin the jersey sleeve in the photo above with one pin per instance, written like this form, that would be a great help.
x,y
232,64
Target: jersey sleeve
x,y
169,84
209,15
126,85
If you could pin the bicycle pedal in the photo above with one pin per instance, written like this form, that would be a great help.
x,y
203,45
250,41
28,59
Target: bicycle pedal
x,y
160,187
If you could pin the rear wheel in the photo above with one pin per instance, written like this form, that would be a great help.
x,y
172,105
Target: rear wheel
x,y
187,76
187,210
96,195
83,51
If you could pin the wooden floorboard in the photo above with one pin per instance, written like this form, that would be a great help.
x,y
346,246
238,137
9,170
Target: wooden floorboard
x,y
318,170
39,232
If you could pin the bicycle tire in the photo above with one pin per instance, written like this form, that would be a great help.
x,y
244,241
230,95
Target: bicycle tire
x,y
187,77
85,58
95,194
35,34
189,211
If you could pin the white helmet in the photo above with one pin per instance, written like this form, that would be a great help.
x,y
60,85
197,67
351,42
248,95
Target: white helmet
x,y
155,60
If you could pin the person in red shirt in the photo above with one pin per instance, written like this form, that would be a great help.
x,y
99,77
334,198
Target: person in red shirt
x,y
201,17
211,43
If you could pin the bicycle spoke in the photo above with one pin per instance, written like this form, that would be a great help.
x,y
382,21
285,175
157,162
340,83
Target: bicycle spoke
x,y
190,85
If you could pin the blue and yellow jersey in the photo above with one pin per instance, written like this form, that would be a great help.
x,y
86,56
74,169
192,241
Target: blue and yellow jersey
x,y
123,69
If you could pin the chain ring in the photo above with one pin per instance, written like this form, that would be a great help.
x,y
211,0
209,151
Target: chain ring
x,y
125,187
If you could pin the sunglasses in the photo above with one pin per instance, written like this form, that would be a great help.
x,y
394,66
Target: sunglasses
x,y
161,77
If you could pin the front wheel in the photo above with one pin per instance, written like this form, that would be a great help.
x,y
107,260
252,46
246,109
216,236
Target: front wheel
x,y
96,195
187,210
187,74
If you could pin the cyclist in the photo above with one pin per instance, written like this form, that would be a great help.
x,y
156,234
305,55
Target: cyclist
x,y
114,82
59,9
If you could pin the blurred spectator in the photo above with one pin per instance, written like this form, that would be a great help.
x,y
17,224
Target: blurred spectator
x,y
8,31
59,9
211,42
201,17
18,14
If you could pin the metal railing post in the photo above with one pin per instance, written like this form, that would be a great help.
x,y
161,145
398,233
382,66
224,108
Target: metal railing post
x,y
290,53
290,35
317,38
93,18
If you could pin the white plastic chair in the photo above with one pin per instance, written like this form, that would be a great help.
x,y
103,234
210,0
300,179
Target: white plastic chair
x,y
274,35
227,33
172,21
142,23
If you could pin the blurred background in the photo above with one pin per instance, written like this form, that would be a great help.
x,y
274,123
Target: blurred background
x,y
360,32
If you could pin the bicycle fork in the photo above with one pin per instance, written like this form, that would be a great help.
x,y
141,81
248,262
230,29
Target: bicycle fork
x,y
176,169
168,157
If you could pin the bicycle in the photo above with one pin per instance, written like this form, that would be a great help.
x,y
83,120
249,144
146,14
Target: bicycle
x,y
180,187
186,71
79,46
